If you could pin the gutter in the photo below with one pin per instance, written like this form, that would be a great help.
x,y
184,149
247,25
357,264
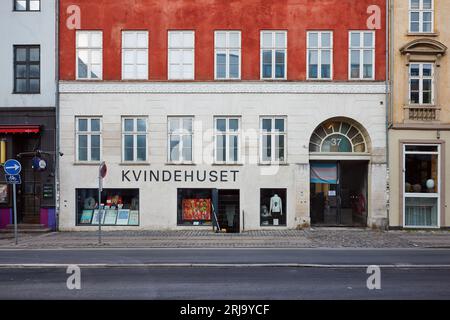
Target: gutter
x,y
389,82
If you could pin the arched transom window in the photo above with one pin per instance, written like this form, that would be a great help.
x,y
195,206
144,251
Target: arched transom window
x,y
337,136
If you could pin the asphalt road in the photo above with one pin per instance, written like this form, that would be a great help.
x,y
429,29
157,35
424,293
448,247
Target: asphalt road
x,y
225,274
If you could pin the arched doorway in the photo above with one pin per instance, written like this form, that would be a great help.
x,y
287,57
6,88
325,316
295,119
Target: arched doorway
x,y
339,158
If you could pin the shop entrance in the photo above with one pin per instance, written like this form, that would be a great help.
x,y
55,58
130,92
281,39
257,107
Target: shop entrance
x,y
228,210
339,193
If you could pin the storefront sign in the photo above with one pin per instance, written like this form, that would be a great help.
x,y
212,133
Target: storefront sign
x,y
179,176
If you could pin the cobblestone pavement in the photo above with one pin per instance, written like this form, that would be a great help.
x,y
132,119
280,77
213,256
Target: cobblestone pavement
x,y
307,238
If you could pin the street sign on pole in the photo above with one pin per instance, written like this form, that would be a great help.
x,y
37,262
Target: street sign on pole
x,y
102,170
13,179
12,169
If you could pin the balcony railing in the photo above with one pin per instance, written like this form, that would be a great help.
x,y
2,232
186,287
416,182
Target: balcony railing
x,y
422,113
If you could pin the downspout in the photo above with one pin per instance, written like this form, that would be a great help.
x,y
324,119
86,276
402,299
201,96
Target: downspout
x,y
388,98
57,113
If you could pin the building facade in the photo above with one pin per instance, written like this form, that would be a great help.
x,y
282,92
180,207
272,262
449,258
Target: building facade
x,y
420,117
238,114
27,108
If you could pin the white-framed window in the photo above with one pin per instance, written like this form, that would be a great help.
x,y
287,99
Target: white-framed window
x,y
361,55
134,139
89,47
227,47
273,55
421,16
180,139
88,139
422,185
273,140
421,83
320,55
227,139
135,55
27,5
181,55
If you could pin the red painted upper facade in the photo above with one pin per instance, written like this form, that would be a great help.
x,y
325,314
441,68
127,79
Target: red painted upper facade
x,y
297,17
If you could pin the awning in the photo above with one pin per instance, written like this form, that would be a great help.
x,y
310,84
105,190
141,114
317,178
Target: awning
x,y
19,128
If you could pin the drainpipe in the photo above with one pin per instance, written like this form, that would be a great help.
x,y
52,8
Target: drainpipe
x,y
387,100
389,74
57,125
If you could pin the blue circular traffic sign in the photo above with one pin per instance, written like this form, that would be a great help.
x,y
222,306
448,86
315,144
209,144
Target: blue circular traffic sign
x,y
12,167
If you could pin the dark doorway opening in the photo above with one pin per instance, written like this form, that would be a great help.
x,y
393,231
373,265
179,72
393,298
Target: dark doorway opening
x,y
228,210
339,193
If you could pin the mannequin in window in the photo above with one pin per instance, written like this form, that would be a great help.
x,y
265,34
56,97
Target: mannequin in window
x,y
276,205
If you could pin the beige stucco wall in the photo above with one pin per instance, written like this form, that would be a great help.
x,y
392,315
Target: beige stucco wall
x,y
437,131
400,69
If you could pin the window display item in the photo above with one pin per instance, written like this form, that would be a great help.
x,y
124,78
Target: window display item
x,y
3,193
86,216
134,218
96,217
122,217
110,217
90,203
276,205
197,209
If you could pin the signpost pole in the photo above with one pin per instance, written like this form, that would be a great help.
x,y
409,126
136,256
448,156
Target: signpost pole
x,y
99,209
15,215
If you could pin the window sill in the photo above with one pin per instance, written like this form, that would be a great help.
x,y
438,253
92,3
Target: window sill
x,y
87,163
268,164
422,34
180,164
228,164
135,163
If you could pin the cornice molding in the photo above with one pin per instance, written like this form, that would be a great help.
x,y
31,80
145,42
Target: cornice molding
x,y
222,87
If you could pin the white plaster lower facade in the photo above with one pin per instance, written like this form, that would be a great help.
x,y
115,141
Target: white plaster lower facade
x,y
305,106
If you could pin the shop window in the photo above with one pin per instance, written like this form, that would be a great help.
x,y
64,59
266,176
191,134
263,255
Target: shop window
x,y
421,185
3,193
195,207
273,207
120,207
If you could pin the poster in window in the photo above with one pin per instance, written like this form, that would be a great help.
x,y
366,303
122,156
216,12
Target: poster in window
x,y
197,209
122,217
3,193
134,218
110,217
86,216
96,217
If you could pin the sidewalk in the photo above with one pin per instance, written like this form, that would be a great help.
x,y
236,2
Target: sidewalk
x,y
308,238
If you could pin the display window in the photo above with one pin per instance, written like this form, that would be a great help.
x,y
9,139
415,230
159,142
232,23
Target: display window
x,y
273,207
118,207
421,196
3,193
195,207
